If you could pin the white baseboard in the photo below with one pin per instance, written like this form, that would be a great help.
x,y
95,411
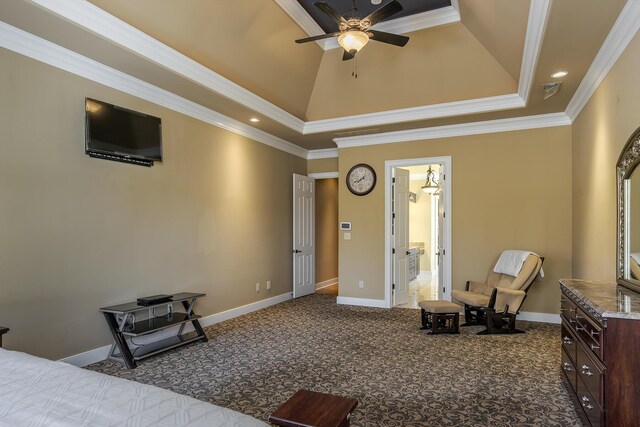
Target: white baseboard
x,y
326,283
539,317
363,302
101,353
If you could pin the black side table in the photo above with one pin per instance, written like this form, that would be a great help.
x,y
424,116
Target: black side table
x,y
3,331
122,324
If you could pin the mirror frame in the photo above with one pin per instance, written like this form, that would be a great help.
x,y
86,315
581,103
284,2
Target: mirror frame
x,y
627,162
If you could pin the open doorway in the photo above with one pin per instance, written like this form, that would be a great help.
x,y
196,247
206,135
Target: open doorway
x,y
418,231
423,227
327,233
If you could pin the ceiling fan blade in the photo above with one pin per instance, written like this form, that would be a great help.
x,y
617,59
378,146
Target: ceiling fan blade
x,y
348,55
384,12
394,39
320,37
330,11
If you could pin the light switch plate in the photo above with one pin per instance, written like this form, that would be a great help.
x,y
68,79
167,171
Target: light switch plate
x,y
347,236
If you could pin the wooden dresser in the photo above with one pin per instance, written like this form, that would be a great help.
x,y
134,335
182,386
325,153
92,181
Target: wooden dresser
x,y
601,351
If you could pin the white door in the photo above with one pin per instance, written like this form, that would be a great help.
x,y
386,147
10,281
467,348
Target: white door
x,y
303,236
442,217
400,216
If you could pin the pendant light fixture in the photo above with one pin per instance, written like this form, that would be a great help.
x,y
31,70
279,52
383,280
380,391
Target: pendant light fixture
x,y
430,185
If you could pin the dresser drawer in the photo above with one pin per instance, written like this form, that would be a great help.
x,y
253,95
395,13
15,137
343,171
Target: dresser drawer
x,y
569,342
590,406
569,369
568,310
590,333
591,374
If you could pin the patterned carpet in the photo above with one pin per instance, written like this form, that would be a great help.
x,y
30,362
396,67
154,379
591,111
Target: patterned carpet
x,y
400,375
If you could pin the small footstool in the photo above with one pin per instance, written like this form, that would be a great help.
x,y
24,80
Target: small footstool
x,y
442,317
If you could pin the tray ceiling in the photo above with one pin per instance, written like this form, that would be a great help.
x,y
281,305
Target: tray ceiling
x,y
488,66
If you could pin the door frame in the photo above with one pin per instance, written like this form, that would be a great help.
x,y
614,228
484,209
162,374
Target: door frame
x,y
388,258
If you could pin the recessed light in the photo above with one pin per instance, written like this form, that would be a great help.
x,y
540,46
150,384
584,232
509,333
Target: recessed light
x,y
560,74
254,119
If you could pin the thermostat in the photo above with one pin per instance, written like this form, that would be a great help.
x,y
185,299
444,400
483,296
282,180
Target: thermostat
x,y
345,226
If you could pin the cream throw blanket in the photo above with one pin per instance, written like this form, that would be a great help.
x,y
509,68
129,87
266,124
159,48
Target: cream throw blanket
x,y
510,262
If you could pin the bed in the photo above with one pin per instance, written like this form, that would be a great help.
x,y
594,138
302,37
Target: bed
x,y
39,392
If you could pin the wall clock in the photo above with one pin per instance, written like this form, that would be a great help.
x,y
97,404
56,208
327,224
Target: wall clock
x,y
361,179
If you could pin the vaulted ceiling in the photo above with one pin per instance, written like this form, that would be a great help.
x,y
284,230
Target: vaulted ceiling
x,y
466,60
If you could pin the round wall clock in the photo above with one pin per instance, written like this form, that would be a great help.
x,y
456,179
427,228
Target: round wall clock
x,y
361,179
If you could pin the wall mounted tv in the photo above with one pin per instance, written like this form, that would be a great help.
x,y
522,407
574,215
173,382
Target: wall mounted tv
x,y
116,133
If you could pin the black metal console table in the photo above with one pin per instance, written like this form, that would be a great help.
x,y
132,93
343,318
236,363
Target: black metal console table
x,y
122,323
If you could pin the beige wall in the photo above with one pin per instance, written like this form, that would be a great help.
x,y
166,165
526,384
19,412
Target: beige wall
x,y
510,190
599,134
326,229
322,165
80,233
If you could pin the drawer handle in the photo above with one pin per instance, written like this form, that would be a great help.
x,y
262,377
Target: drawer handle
x,y
586,370
587,406
572,321
594,347
594,333
578,316
585,399
562,309
566,366
572,310
580,328
567,340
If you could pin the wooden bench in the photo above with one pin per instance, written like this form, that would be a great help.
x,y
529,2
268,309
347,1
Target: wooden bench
x,y
312,409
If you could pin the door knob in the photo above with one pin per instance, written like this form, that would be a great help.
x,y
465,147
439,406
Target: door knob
x,y
408,252
296,251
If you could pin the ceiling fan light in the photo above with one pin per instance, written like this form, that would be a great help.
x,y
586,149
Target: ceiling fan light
x,y
353,40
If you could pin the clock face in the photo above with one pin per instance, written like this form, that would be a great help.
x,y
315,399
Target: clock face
x,y
361,179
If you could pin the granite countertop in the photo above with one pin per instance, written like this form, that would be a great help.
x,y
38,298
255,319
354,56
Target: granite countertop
x,y
603,299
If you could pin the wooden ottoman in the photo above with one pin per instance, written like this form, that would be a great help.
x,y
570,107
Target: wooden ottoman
x,y
311,409
442,317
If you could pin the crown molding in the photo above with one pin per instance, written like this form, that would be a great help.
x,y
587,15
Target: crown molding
x,y
96,20
323,175
303,19
463,129
420,21
326,153
34,47
624,29
456,108
407,24
536,25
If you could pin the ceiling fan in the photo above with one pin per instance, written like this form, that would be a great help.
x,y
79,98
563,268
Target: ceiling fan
x,y
355,32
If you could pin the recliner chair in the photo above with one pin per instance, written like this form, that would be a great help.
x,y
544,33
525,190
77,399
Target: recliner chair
x,y
496,302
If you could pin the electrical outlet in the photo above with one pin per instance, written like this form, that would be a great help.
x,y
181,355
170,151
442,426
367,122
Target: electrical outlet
x,y
257,287
269,285
347,236
361,284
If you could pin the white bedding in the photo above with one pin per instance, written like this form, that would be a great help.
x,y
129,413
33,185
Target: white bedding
x,y
39,392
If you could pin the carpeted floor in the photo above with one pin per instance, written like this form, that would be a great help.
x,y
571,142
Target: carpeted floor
x,y
400,375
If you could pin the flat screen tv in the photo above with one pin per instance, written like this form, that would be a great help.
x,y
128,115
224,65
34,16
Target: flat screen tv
x,y
117,132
